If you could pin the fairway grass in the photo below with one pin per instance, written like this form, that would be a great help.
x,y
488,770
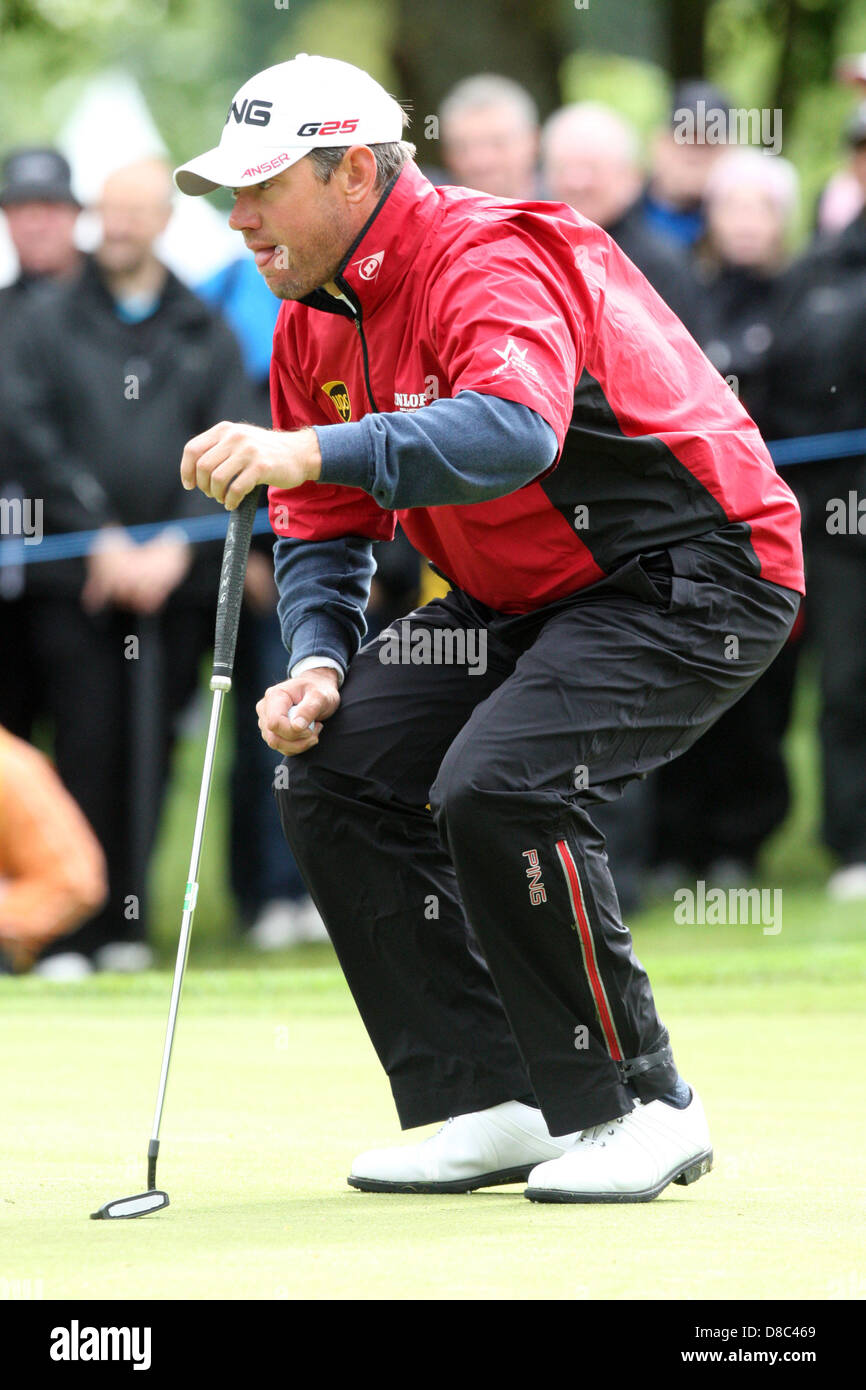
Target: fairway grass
x,y
275,1087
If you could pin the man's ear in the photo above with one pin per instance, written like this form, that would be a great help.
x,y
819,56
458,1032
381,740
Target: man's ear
x,y
357,173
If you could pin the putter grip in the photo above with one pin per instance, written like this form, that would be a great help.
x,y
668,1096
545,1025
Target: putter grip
x,y
231,590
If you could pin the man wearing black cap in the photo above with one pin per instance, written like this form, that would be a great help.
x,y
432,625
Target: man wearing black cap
x,y
41,211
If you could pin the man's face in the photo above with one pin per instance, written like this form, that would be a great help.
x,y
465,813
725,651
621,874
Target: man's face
x,y
133,215
680,171
43,236
591,178
493,150
298,227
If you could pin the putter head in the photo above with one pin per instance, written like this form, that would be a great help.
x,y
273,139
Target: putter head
x,y
126,1207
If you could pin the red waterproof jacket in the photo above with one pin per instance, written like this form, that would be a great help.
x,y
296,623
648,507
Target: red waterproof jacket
x,y
451,290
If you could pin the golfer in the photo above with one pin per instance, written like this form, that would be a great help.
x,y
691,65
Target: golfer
x,y
624,563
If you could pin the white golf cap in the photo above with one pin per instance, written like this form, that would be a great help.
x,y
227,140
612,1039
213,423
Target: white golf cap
x,y
285,111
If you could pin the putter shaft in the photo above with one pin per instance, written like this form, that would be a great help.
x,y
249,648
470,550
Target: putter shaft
x,y
220,685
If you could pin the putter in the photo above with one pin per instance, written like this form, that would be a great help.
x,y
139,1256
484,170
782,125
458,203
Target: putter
x,y
231,592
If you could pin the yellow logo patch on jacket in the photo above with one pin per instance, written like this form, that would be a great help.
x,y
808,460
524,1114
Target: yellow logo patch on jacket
x,y
338,392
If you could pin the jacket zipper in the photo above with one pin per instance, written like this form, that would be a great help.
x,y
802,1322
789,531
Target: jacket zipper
x,y
366,362
356,310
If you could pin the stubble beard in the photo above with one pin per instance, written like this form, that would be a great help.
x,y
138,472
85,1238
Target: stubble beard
x,y
293,281
286,284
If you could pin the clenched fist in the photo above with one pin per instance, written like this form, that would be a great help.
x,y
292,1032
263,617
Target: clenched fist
x,y
229,460
316,696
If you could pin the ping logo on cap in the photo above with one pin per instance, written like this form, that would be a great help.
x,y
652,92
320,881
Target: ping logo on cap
x,y
250,112
338,392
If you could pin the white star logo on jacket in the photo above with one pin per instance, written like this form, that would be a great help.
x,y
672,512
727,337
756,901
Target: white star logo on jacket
x,y
514,358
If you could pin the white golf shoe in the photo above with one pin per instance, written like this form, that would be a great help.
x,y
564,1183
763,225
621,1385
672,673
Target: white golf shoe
x,y
484,1149
124,957
284,922
848,885
65,965
630,1159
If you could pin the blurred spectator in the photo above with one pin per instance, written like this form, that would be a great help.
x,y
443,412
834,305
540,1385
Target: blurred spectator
x,y
751,203
109,375
718,803
488,126
672,203
816,384
52,871
41,212
845,193
591,160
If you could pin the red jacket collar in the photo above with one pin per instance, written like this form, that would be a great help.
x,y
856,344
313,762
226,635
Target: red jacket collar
x,y
384,250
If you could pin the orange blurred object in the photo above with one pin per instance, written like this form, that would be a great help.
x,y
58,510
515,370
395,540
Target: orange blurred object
x,y
52,869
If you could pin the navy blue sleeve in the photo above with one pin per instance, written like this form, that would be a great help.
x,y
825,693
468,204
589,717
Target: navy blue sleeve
x,y
464,450
323,591
467,449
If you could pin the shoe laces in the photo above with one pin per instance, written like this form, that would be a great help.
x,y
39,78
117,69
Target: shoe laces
x,y
431,1138
599,1134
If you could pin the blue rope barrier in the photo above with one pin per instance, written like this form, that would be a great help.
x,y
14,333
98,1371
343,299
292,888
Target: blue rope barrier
x,y
812,448
785,453
71,544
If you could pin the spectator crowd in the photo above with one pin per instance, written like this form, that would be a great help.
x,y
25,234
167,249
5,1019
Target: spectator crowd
x,y
109,364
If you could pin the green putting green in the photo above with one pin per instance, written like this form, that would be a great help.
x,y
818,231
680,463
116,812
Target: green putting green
x,y
275,1087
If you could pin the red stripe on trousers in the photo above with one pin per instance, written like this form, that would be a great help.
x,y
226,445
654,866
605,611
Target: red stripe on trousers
x,y
589,951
